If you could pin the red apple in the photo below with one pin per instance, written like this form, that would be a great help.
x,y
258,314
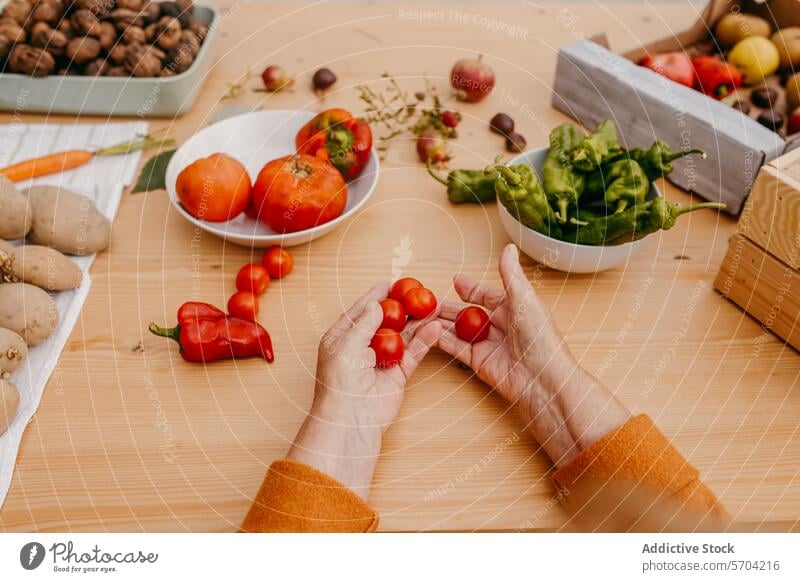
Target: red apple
x,y
472,80
794,122
275,78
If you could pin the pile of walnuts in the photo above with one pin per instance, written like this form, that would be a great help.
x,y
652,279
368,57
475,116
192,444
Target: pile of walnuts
x,y
112,38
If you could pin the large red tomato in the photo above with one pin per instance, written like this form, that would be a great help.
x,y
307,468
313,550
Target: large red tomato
x,y
298,192
216,188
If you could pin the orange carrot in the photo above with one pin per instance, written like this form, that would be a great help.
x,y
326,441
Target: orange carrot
x,y
47,165
58,162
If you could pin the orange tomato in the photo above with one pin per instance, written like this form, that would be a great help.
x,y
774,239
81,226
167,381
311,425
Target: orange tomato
x,y
216,188
299,192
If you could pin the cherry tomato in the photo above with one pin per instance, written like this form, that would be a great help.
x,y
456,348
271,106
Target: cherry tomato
x,y
388,347
243,305
278,261
403,286
419,303
472,324
394,315
253,278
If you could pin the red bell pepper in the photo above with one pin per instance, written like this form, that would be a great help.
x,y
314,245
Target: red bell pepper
x,y
675,66
715,77
206,334
337,136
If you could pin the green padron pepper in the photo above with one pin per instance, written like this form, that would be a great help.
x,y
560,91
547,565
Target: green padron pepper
x,y
632,224
623,184
597,148
657,161
519,190
562,183
465,186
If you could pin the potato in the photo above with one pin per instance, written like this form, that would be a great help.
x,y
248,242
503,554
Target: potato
x,y
28,311
15,211
9,402
788,42
13,352
41,266
66,221
737,26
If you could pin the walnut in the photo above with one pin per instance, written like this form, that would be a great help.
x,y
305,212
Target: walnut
x,y
116,72
43,36
107,35
17,10
189,38
133,34
151,12
125,18
85,23
174,10
12,31
156,52
31,61
5,48
140,62
199,30
180,58
135,5
167,72
150,32
96,68
117,54
66,27
83,49
49,11
187,6
99,8
168,32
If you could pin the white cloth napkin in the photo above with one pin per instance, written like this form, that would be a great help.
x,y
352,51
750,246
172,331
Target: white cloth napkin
x,y
103,180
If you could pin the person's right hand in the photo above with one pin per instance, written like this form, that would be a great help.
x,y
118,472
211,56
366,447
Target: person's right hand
x,y
527,362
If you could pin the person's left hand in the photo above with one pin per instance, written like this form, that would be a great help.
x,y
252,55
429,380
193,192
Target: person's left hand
x,y
355,402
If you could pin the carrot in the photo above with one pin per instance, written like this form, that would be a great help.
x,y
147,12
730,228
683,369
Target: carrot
x,y
58,162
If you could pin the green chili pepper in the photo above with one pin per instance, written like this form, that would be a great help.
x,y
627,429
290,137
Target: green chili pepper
x,y
561,182
597,148
467,185
632,224
657,161
519,190
623,184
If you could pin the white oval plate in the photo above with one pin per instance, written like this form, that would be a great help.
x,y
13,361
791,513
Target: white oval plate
x,y
255,139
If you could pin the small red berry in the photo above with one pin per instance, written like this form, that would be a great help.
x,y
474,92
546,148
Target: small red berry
x,y
450,119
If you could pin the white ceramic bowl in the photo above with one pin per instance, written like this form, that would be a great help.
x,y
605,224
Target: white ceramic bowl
x,y
557,254
255,139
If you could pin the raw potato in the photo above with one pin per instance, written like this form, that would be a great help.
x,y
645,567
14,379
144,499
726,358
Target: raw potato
x,y
788,42
13,352
15,211
66,221
9,402
734,27
41,266
27,310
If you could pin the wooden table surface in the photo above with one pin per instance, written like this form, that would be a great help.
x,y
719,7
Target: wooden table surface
x,y
131,438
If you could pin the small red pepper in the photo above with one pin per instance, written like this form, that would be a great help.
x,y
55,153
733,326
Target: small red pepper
x,y
715,77
206,334
337,136
675,66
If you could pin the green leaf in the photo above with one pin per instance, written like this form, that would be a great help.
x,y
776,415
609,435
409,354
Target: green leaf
x,y
154,173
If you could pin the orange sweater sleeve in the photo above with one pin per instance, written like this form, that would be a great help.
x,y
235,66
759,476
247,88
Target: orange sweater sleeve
x,y
297,498
634,479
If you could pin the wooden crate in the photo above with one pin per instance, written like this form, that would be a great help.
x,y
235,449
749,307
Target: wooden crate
x,y
593,83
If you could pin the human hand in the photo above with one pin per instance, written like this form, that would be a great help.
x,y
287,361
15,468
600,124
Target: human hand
x,y
526,360
355,402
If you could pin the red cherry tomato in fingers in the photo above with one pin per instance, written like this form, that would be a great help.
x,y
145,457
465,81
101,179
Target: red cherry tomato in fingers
x,y
403,286
253,278
472,324
419,303
243,305
394,315
278,261
388,347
